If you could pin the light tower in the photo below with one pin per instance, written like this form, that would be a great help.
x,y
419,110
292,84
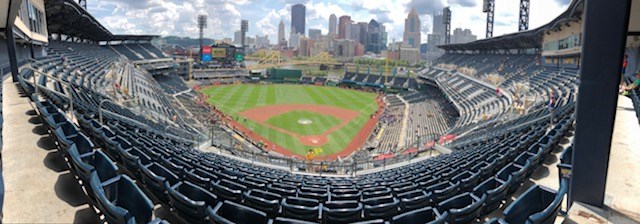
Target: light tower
x,y
83,3
202,23
489,7
446,19
523,23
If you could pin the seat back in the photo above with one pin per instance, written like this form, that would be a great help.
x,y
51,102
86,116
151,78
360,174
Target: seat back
x,y
264,201
301,208
419,216
534,200
341,211
228,212
190,201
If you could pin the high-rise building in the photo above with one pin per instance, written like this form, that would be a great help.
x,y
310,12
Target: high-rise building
x,y
354,33
437,37
411,55
262,41
304,49
281,32
412,30
237,37
344,26
344,49
314,34
298,17
364,35
461,36
377,40
333,22
438,23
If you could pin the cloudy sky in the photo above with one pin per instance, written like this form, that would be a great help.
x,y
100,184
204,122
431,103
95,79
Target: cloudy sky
x,y
178,17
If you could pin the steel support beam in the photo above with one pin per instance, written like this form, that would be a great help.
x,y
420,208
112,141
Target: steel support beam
x,y
14,7
523,23
604,38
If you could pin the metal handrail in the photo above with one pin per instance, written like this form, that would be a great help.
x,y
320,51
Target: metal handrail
x,y
110,101
37,86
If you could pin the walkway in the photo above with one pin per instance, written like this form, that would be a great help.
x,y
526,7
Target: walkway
x,y
39,187
403,130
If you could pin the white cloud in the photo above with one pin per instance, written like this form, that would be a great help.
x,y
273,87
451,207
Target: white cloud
x,y
179,17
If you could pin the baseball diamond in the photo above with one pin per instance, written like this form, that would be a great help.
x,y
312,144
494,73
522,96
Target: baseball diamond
x,y
296,118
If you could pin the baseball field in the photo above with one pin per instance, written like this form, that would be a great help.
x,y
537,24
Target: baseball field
x,y
291,119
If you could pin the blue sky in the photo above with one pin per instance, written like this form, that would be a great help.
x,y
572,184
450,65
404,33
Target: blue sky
x,y
178,17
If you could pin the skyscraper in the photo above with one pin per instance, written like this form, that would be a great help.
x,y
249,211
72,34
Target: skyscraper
x,y
281,31
344,26
298,17
315,34
333,21
412,29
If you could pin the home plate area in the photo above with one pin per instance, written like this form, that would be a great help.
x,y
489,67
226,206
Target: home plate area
x,y
314,140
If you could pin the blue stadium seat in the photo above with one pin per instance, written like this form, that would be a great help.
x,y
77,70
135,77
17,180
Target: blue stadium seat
x,y
467,180
538,205
301,208
512,174
463,208
228,190
381,207
341,211
229,212
494,191
347,194
442,191
158,180
283,220
263,201
127,203
200,177
190,201
420,216
414,199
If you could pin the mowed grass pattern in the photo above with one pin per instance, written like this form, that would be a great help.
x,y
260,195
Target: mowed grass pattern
x,y
233,99
319,123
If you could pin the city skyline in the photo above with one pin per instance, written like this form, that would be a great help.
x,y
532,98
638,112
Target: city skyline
x,y
177,17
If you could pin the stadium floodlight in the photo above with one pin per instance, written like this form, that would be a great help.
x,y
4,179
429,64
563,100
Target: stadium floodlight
x,y
489,7
202,23
523,23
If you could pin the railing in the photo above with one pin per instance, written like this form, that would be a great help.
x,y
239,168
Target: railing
x,y
226,144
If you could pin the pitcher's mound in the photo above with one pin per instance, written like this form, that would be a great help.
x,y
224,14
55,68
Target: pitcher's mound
x,y
314,140
304,121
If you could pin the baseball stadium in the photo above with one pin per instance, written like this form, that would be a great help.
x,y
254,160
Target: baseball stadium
x,y
533,126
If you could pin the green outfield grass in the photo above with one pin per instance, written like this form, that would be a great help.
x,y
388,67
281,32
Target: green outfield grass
x,y
233,99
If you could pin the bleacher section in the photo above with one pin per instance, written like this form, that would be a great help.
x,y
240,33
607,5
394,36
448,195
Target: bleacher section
x,y
137,52
430,115
390,125
171,84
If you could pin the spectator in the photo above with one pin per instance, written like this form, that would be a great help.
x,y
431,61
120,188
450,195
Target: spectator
x,y
634,86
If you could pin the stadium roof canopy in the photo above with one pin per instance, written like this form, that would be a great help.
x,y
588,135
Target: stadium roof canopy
x,y
525,39
68,18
